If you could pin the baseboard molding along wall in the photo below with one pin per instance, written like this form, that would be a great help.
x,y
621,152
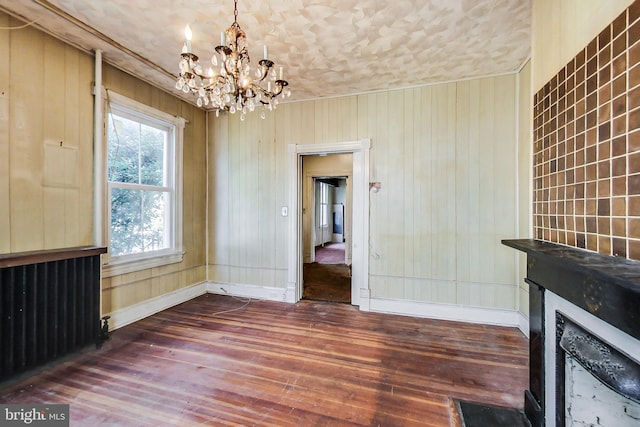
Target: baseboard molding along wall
x,y
510,318
249,291
524,324
456,313
133,313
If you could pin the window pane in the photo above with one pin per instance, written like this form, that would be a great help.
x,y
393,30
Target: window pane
x,y
152,145
136,152
124,143
138,221
154,217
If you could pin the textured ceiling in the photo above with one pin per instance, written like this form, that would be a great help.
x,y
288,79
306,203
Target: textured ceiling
x,y
327,47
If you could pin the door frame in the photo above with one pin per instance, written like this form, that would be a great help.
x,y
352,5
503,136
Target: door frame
x,y
360,292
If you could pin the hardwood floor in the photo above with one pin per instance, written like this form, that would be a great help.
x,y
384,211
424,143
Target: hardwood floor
x,y
218,360
327,282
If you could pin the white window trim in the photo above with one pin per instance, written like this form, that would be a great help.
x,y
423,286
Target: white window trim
x,y
157,258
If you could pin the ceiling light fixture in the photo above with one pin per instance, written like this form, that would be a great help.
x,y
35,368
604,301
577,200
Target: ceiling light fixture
x,y
228,83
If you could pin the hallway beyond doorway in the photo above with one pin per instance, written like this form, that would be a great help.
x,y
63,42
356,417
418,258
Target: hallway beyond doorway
x,y
330,253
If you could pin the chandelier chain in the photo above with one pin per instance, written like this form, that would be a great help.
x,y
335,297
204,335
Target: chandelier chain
x,y
235,11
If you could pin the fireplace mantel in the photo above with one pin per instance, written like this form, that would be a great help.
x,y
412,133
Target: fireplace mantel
x,y
606,286
602,286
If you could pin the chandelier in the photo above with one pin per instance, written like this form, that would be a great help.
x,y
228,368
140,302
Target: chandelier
x,y
228,83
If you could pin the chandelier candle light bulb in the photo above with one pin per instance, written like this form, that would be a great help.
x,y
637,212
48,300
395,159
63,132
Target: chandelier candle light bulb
x,y
234,88
187,35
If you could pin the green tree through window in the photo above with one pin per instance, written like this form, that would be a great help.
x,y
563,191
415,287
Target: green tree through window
x,y
140,182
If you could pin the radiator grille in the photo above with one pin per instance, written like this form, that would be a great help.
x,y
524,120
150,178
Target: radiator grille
x,y
47,310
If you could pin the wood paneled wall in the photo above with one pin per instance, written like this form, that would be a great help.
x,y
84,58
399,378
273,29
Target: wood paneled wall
x,y
562,28
247,187
46,188
446,156
525,177
46,142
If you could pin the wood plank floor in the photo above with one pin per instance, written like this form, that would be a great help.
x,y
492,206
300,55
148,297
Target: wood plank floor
x,y
327,282
219,360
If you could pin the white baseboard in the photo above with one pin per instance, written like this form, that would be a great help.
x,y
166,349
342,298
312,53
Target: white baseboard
x,y
249,291
511,318
290,295
365,299
523,325
452,312
127,315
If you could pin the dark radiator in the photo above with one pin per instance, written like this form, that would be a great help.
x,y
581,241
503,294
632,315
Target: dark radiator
x,y
49,306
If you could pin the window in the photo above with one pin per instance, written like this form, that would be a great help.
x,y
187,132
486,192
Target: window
x,y
324,205
144,162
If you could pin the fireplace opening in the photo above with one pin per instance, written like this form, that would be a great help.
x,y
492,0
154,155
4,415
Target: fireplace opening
x,y
596,384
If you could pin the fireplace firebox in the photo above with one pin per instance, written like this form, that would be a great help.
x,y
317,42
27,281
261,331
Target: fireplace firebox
x,y
596,384
584,336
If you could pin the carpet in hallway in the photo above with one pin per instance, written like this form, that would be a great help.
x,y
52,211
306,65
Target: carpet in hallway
x,y
330,253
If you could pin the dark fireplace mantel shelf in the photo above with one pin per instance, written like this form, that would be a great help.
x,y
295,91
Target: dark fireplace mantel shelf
x,y
606,286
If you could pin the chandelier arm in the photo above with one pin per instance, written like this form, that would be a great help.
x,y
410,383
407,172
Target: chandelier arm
x,y
219,80
256,88
209,87
264,75
202,77
265,66
229,72
279,87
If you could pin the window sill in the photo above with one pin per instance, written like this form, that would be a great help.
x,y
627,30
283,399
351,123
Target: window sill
x,y
116,268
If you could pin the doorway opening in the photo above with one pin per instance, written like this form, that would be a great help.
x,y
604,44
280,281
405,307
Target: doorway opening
x,y
356,250
326,274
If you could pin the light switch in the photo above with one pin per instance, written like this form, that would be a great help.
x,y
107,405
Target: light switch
x,y
284,211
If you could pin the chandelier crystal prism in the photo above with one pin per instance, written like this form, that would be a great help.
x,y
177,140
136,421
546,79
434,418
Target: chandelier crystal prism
x,y
228,83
